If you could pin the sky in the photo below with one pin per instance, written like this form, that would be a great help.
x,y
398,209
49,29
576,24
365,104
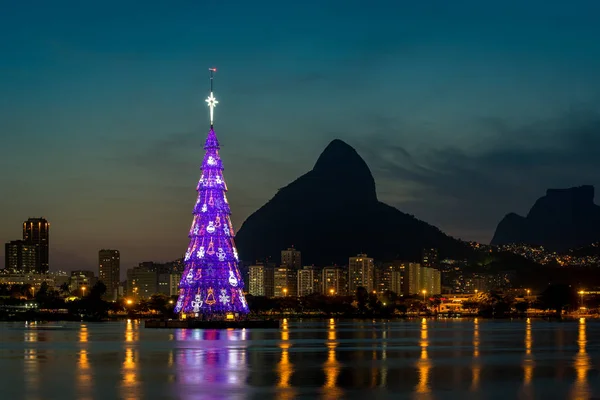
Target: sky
x,y
464,110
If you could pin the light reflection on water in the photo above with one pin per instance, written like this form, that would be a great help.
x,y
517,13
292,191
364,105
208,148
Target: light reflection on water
x,y
423,364
582,364
84,376
331,359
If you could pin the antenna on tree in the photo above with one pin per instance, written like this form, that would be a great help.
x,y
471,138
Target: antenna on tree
x,y
212,102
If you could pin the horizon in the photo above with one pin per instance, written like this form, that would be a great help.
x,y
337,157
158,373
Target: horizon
x,y
464,113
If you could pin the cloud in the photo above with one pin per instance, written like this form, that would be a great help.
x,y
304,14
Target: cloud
x,y
467,190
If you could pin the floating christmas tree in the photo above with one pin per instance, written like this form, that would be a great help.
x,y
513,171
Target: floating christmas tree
x,y
211,283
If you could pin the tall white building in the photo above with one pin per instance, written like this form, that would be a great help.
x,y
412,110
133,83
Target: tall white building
x,y
418,279
256,280
308,281
361,272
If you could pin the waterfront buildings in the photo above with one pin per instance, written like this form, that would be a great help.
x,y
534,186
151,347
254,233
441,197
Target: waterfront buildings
x,y
361,272
334,281
261,280
20,256
109,271
308,281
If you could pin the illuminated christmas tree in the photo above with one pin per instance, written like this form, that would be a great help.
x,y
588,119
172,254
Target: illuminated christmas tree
x,y
211,283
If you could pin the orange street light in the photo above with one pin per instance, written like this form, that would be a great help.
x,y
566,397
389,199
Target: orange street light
x,y
285,292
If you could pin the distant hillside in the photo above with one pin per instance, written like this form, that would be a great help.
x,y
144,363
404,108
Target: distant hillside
x,y
332,212
561,220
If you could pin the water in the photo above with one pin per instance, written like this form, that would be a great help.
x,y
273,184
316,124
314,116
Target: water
x,y
420,359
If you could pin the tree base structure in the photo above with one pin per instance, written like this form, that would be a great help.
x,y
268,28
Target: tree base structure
x,y
219,324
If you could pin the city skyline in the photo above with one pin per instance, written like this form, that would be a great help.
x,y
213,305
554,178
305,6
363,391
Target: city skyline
x,y
472,112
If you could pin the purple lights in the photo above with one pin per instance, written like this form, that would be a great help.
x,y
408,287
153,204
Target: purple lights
x,y
211,283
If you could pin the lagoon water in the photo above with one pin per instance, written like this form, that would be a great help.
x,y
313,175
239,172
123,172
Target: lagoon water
x,y
418,359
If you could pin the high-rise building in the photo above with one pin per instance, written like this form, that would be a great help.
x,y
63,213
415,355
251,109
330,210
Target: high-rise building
x,y
334,281
109,272
142,282
36,232
308,281
412,279
430,258
418,279
260,280
389,277
20,257
168,283
291,258
285,282
397,277
361,272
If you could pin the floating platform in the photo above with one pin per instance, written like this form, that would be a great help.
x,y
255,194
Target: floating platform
x,y
197,324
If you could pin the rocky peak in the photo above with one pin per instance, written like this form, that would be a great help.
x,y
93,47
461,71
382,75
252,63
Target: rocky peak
x,y
341,164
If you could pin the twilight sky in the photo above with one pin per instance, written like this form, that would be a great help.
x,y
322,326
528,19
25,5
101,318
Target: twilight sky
x,y
464,110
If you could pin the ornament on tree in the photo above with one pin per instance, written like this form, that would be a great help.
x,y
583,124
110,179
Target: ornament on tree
x,y
223,297
232,279
197,303
210,297
190,276
211,248
205,268
211,227
243,300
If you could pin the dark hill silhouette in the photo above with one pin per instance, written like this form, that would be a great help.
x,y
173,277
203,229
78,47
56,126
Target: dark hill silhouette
x,y
561,220
332,212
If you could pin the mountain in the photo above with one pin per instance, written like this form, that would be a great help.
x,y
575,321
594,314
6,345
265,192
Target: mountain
x,y
332,213
561,220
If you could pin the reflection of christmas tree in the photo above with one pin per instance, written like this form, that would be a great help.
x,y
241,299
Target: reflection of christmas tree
x,y
211,282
